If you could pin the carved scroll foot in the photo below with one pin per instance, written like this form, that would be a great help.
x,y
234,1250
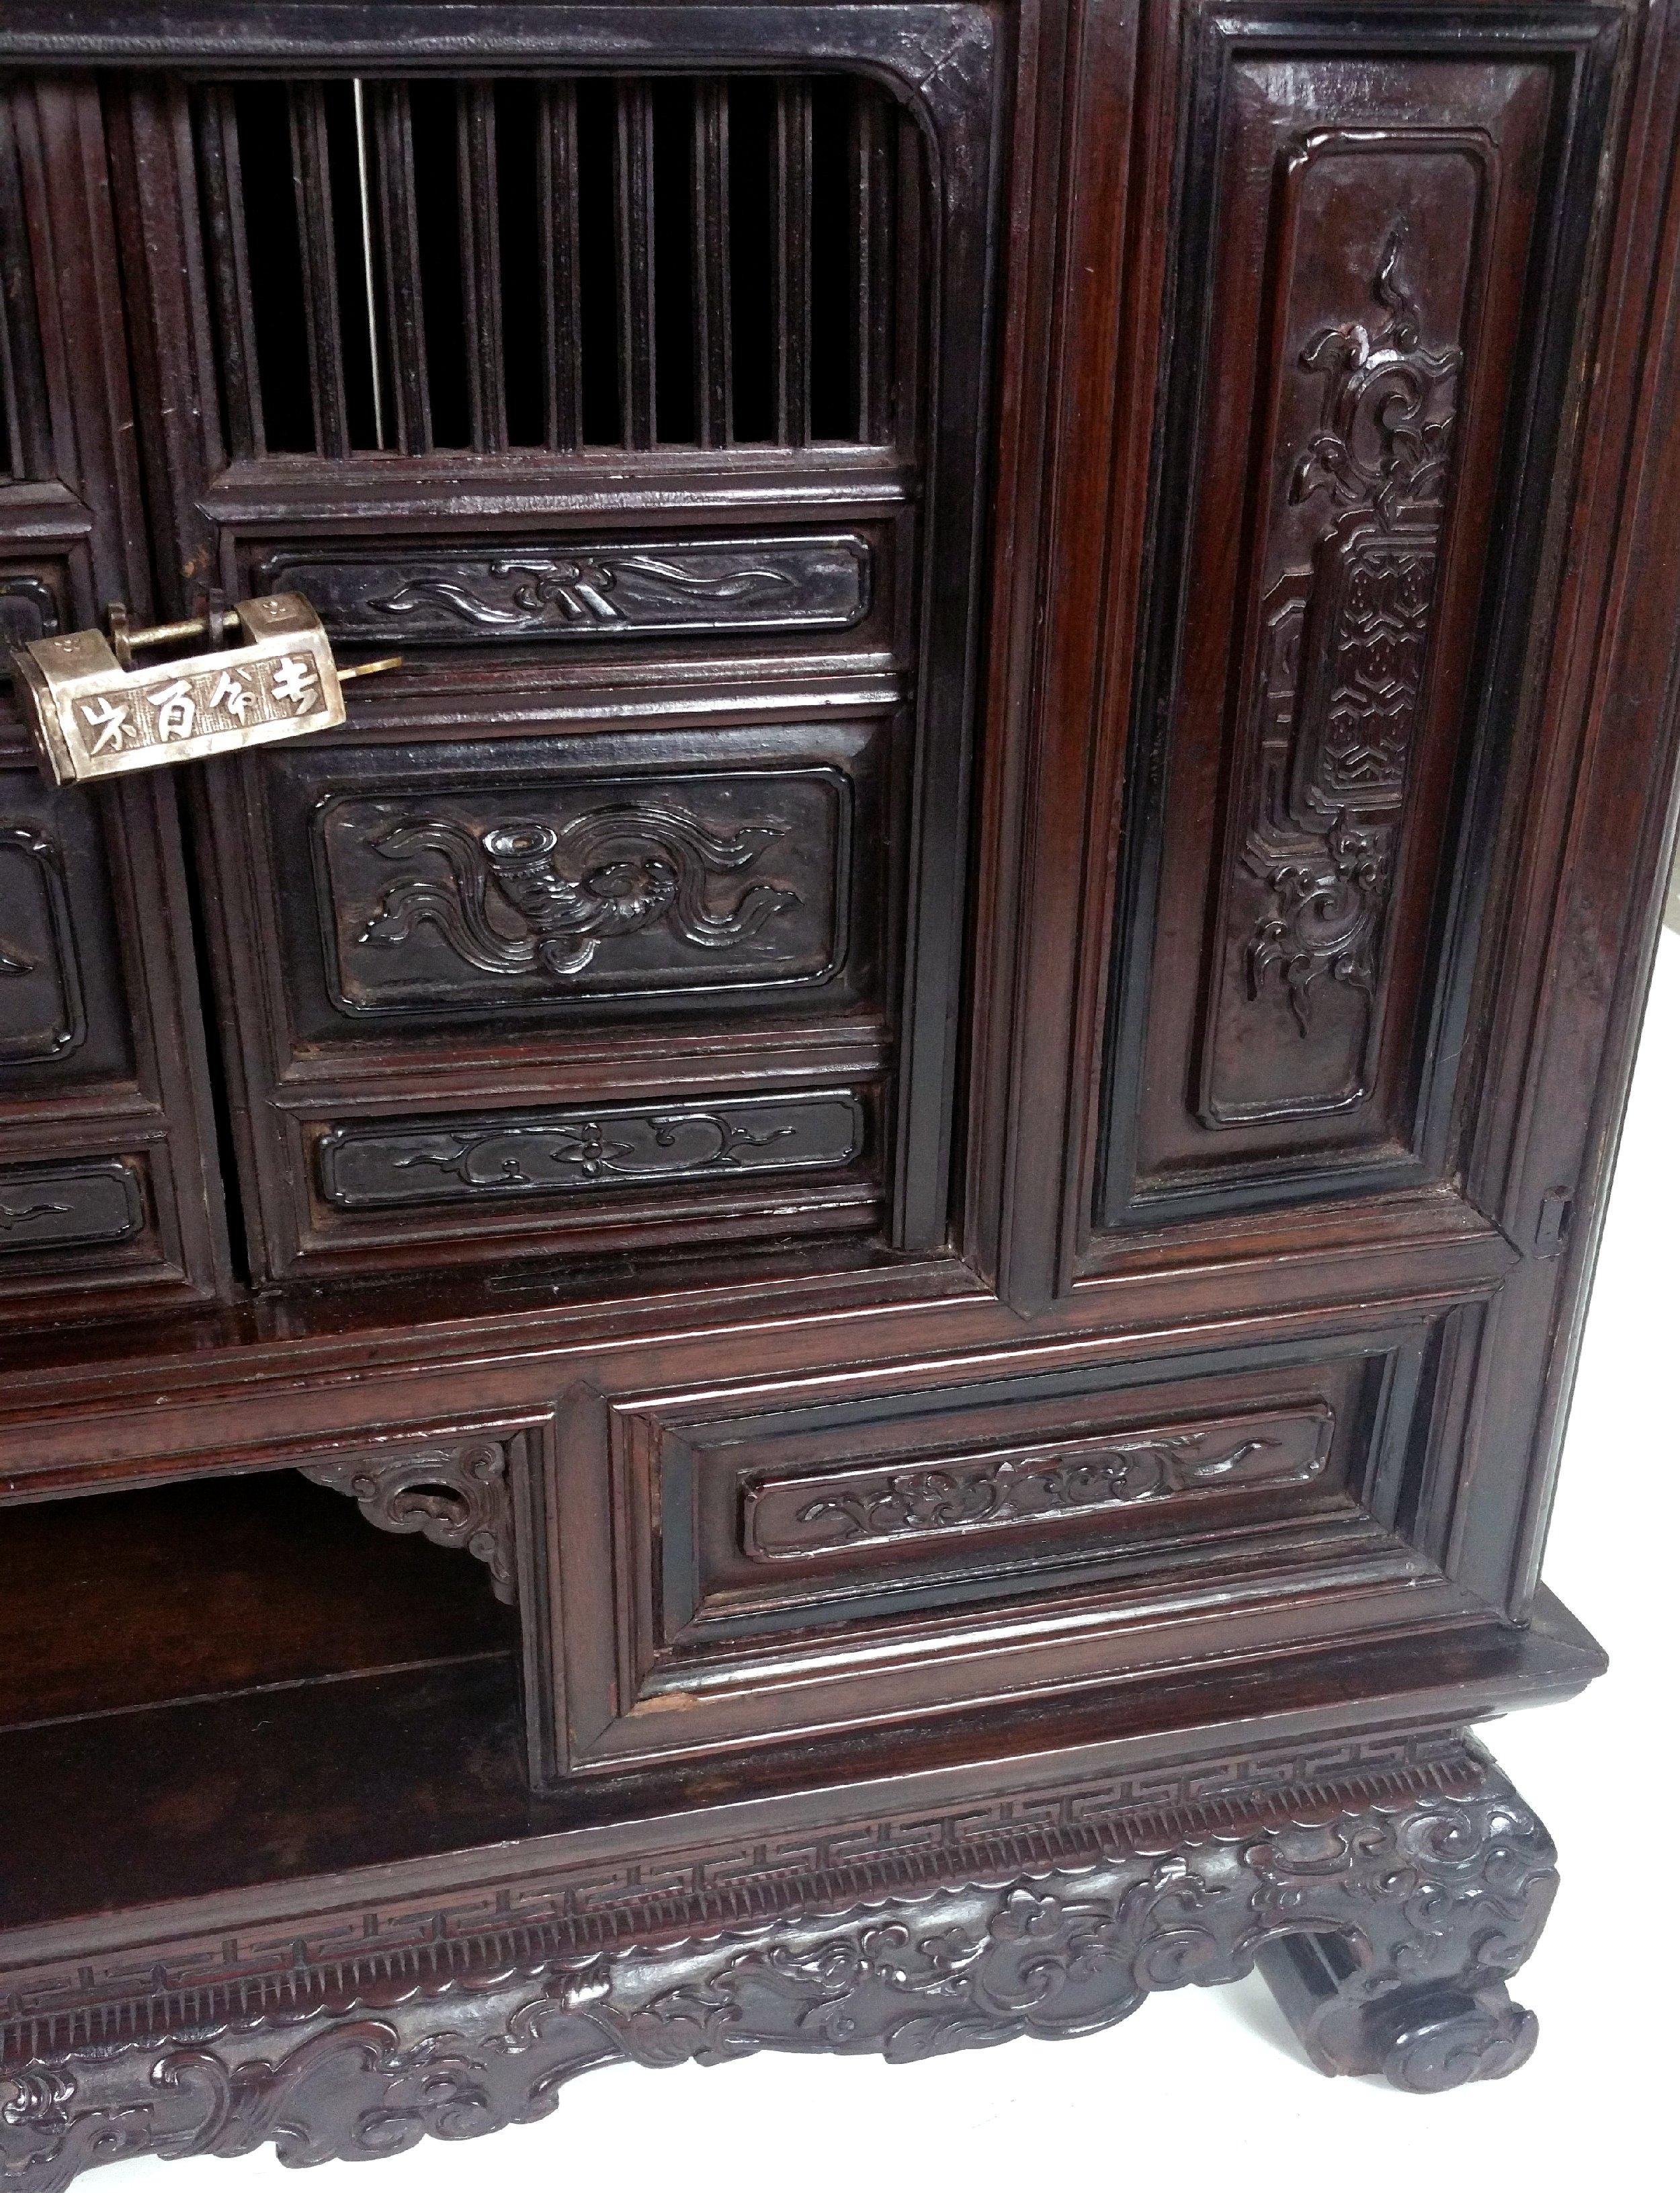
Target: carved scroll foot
x,y
1415,1988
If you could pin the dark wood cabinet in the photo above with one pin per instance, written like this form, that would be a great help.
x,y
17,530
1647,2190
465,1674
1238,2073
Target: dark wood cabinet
x,y
876,1199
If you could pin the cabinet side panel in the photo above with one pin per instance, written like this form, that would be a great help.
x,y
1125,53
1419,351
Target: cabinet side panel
x,y
1377,261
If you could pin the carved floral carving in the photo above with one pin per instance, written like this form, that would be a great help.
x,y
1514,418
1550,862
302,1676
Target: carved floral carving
x,y
1324,919
1432,1901
456,1495
532,1153
1349,649
1037,1483
529,897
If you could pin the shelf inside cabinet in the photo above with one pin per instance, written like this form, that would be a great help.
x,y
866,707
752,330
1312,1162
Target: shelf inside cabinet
x,y
120,1601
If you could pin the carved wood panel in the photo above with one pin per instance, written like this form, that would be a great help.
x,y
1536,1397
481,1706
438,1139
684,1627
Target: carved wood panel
x,y
1374,310
579,590
70,1206
533,892
103,1180
651,932
538,1154
738,1565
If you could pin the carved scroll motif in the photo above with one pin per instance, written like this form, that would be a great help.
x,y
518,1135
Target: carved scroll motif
x,y
453,1496
71,1206
537,1153
572,592
1434,1891
531,898
1345,650
1037,1484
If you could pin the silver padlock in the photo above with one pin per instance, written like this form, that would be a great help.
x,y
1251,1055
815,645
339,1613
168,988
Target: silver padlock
x,y
95,715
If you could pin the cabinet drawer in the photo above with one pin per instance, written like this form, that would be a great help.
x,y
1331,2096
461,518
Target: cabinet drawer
x,y
743,1564
556,986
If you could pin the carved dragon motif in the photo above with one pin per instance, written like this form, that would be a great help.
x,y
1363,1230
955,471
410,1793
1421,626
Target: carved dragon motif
x,y
580,587
530,897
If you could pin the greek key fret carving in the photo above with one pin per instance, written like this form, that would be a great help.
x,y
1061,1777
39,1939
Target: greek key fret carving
x,y
1433,1896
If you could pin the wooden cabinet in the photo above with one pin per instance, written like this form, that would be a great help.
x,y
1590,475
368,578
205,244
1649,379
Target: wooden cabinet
x,y
876,1199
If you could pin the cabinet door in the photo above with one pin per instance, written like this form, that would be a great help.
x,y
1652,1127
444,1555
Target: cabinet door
x,y
642,413
1378,296
106,1196
1317,400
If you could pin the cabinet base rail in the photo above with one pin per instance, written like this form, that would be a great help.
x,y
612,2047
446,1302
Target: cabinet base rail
x,y
1387,1910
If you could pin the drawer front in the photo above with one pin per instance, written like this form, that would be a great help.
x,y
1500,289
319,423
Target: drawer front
x,y
741,1566
564,988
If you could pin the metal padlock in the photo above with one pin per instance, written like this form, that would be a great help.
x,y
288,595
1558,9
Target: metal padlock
x,y
93,714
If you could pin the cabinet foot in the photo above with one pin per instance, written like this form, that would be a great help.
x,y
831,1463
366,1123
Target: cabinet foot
x,y
1385,1914
1437,1908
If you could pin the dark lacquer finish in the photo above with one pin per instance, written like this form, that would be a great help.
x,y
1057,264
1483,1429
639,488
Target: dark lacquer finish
x,y
106,1194
904,1283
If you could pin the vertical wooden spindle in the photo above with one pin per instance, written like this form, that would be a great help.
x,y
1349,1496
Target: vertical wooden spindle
x,y
312,181
404,320
222,193
562,315
714,405
481,265
634,180
872,205
791,195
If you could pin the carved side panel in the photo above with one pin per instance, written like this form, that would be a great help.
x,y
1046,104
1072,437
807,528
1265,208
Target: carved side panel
x,y
1374,309
580,591
1336,705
